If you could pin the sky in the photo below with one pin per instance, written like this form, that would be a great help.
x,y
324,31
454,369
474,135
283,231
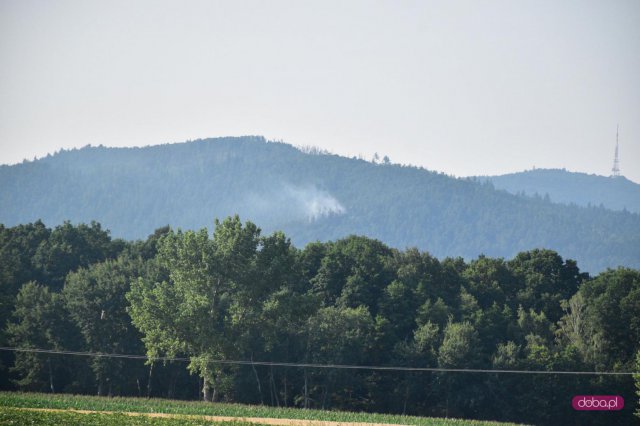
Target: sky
x,y
462,87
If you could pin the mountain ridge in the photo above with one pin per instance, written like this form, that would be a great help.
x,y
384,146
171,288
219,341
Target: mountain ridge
x,y
562,186
320,196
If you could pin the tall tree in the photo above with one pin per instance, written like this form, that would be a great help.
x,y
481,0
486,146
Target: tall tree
x,y
189,313
545,279
605,313
95,298
70,247
40,322
18,245
338,335
462,396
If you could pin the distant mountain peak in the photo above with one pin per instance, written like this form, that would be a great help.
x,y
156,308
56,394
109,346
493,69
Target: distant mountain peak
x,y
562,186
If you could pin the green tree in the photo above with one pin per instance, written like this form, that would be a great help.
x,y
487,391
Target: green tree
x,y
70,247
18,245
420,351
606,314
489,281
398,305
95,299
427,277
39,322
268,313
190,312
283,330
338,335
354,272
462,393
457,349
545,279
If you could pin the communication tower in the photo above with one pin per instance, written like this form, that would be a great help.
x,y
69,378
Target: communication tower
x,y
615,170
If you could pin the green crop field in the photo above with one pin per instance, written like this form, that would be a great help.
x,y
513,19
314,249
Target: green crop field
x,y
12,402
18,416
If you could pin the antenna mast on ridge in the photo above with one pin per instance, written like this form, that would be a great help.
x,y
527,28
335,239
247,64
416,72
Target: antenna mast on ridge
x,y
616,163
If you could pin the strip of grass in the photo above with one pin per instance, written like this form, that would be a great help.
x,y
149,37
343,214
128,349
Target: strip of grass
x,y
143,405
17,416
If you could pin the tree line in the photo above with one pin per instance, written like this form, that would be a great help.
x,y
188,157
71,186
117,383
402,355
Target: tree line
x,y
236,294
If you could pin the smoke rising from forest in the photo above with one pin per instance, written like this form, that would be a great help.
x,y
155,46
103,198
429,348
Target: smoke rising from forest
x,y
315,203
295,202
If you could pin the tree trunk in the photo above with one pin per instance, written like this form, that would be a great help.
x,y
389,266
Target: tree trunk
x,y
447,403
274,389
255,372
406,396
325,392
149,381
306,390
206,389
285,389
172,388
214,394
271,388
327,386
53,390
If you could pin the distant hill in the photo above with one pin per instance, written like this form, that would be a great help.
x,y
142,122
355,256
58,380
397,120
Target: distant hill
x,y
310,196
616,193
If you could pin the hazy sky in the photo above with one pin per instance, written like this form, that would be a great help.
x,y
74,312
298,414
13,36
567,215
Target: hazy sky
x,y
464,87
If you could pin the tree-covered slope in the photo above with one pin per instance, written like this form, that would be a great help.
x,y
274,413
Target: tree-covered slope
x,y
616,193
311,197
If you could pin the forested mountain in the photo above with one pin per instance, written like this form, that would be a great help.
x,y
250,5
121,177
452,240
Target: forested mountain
x,y
615,193
309,195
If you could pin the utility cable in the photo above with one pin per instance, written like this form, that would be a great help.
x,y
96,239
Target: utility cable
x,y
325,366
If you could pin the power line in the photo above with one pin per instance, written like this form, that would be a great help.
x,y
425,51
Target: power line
x,y
325,366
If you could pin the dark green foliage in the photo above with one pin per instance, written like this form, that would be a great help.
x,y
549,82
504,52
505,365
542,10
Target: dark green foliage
x,y
240,295
95,300
611,303
543,279
322,197
18,246
70,247
353,273
39,323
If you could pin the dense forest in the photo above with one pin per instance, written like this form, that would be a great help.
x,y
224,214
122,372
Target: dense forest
x,y
238,294
311,196
562,186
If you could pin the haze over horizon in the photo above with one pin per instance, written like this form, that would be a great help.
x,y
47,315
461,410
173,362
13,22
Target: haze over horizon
x,y
456,87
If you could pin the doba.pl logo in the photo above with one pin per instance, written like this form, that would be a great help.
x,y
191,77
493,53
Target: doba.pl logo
x,y
598,402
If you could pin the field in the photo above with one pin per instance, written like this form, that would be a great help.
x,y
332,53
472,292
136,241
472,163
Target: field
x,y
21,416
32,408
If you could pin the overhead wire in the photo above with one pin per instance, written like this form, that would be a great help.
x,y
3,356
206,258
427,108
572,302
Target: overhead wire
x,y
312,365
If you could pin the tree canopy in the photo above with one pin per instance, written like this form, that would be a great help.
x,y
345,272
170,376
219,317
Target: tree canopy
x,y
236,294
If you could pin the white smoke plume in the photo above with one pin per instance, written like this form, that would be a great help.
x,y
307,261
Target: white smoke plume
x,y
294,202
315,203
